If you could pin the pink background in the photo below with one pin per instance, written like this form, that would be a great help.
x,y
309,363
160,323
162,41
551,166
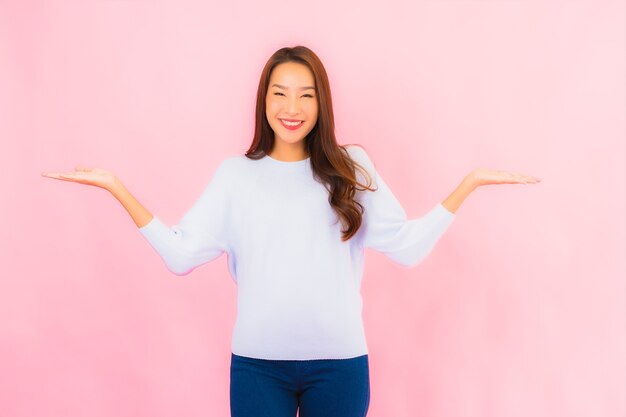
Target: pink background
x,y
519,311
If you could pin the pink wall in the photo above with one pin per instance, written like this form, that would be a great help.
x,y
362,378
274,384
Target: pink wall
x,y
519,311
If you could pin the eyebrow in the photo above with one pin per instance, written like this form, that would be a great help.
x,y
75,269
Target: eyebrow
x,y
301,88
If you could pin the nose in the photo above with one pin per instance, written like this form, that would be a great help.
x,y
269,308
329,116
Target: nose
x,y
293,107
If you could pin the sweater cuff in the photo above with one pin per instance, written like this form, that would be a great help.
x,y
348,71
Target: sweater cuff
x,y
154,229
444,212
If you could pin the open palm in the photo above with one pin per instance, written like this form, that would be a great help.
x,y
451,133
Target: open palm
x,y
484,176
91,176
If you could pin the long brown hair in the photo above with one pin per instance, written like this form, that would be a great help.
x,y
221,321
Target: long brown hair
x,y
331,164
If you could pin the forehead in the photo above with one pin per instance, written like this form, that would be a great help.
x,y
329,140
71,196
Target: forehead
x,y
292,74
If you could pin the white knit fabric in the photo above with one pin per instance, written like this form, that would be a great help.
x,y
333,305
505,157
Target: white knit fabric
x,y
298,284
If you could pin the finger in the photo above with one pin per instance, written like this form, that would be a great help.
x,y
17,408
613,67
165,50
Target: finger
x,y
71,174
59,176
50,174
530,180
55,174
524,178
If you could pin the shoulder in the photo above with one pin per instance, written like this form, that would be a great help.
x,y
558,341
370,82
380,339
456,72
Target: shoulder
x,y
237,169
225,172
232,165
355,150
360,156
229,163
367,170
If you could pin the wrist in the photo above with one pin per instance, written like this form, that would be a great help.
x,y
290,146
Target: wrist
x,y
116,187
471,181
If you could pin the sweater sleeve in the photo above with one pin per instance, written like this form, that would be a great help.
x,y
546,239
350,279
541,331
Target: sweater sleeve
x,y
386,227
201,235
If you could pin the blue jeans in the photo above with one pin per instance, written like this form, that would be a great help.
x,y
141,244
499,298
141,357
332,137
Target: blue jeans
x,y
318,387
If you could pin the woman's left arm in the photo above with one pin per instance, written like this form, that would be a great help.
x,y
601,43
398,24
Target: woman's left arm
x,y
481,176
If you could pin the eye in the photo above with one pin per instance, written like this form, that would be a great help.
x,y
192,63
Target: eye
x,y
281,94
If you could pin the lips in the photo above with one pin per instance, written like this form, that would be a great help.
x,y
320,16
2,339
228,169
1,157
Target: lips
x,y
292,123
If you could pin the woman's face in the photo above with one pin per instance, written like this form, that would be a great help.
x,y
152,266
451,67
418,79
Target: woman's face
x,y
291,96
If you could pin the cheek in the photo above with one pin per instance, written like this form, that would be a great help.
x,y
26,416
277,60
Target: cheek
x,y
271,106
269,111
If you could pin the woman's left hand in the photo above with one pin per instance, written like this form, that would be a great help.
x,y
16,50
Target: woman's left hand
x,y
482,176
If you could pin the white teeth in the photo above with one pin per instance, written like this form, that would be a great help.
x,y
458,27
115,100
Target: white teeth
x,y
291,123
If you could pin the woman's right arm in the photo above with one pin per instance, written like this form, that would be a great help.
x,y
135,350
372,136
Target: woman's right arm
x,y
105,179
201,234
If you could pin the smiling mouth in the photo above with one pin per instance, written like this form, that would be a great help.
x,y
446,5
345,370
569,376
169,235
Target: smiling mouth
x,y
291,123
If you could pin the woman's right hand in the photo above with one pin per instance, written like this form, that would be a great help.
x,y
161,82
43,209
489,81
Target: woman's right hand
x,y
91,176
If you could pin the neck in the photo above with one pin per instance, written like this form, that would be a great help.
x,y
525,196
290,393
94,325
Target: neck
x,y
288,153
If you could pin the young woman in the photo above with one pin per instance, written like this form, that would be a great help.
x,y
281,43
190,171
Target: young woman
x,y
293,215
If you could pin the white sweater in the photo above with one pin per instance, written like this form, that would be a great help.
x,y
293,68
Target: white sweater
x,y
298,284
